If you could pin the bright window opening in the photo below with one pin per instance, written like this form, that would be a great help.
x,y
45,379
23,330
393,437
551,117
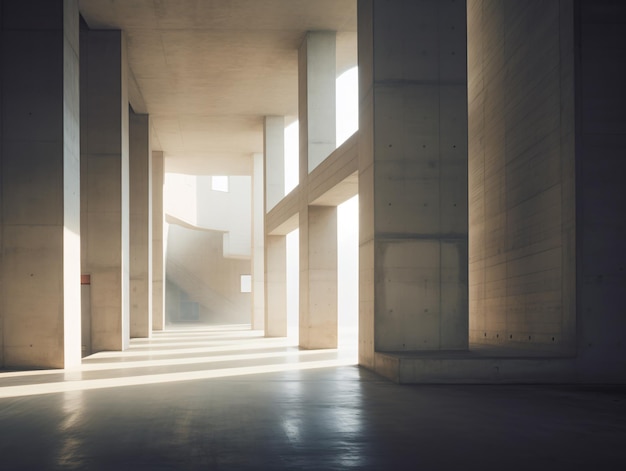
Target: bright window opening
x,y
347,103
292,163
348,273
246,283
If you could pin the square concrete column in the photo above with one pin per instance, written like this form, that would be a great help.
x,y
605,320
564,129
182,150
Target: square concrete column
x,y
275,250
158,253
275,286
140,167
318,277
105,186
40,185
316,99
258,252
412,176
318,225
274,160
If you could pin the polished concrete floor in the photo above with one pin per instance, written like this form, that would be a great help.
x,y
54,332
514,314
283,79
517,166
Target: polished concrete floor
x,y
226,398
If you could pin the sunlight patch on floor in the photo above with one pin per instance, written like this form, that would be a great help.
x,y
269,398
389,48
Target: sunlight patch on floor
x,y
223,353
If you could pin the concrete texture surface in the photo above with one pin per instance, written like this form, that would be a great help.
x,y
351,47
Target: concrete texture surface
x,y
197,266
274,160
318,321
140,232
158,250
105,185
206,118
257,314
521,166
39,186
600,194
276,285
412,176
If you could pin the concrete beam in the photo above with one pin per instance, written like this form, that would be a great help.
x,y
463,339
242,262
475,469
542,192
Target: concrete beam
x,y
335,180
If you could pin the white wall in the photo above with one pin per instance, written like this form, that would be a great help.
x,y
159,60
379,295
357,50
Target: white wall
x,y
191,199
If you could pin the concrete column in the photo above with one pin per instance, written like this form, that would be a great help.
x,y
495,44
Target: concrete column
x,y
318,277
274,160
40,185
318,225
412,176
158,252
275,286
140,168
316,99
258,236
275,262
104,185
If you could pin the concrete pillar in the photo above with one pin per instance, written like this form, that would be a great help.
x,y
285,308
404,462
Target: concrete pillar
x,y
258,253
316,99
274,160
318,277
412,176
275,262
275,286
40,185
158,251
318,225
140,170
104,185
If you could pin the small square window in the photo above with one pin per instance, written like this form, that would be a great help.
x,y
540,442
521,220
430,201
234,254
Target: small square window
x,y
246,283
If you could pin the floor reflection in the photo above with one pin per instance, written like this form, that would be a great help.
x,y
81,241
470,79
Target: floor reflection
x,y
69,430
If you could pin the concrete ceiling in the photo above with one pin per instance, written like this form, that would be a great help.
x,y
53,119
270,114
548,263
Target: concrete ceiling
x,y
207,71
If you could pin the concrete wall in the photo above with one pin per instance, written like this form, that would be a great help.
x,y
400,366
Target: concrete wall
x,y
230,212
181,197
39,185
521,174
195,264
192,200
600,195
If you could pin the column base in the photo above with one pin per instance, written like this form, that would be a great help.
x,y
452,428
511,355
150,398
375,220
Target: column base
x,y
479,366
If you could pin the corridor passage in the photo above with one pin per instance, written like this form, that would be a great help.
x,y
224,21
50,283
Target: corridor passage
x,y
227,398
